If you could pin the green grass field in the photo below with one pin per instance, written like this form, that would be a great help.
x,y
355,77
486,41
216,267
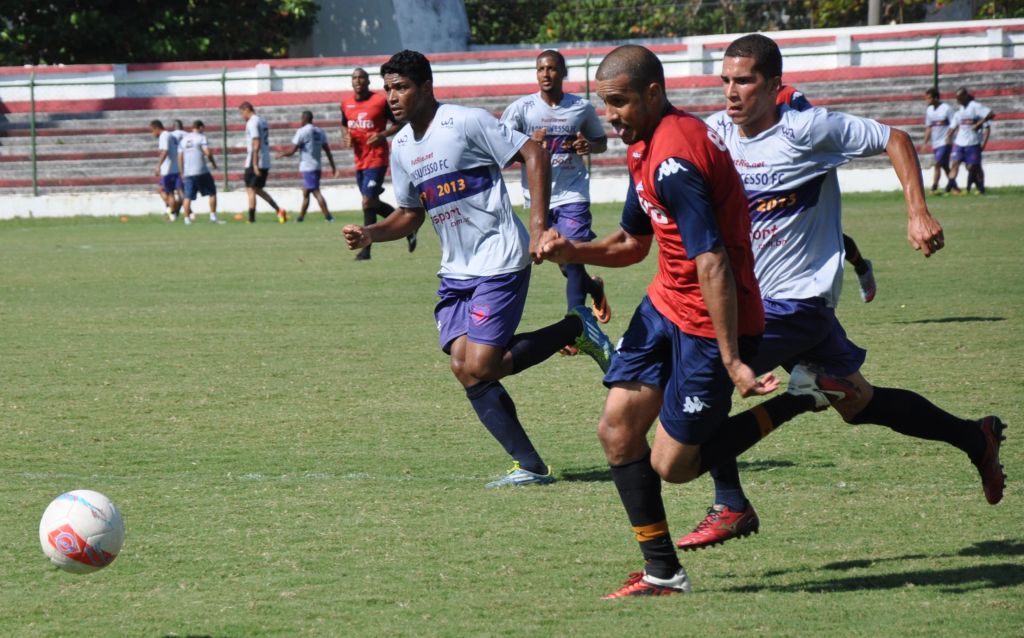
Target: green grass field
x,y
293,457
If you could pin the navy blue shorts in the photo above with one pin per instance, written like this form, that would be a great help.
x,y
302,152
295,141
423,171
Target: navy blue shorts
x,y
572,221
941,155
805,330
485,309
196,185
371,181
688,369
168,182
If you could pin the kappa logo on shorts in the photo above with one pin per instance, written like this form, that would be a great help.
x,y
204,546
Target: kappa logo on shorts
x,y
479,314
692,405
371,183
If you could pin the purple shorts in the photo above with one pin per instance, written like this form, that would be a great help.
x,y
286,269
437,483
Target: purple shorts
x,y
311,180
941,155
970,155
486,309
371,180
572,221
805,330
168,182
697,389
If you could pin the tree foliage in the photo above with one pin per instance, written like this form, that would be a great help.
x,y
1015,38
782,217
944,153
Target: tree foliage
x,y
108,31
493,22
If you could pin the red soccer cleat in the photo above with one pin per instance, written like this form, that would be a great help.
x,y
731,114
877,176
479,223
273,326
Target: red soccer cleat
x,y
721,524
992,478
642,584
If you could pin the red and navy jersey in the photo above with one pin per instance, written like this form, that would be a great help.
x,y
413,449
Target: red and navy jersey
x,y
363,118
685,191
792,98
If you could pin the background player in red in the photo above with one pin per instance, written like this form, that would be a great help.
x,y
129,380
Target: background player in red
x,y
865,272
366,124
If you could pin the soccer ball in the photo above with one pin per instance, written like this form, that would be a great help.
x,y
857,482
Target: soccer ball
x,y
81,531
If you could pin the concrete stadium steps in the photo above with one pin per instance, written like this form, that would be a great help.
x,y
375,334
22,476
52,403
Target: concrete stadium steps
x,y
114,150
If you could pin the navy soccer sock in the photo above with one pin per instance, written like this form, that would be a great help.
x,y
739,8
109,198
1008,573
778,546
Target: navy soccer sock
x,y
252,215
530,348
639,488
911,414
576,284
738,434
497,412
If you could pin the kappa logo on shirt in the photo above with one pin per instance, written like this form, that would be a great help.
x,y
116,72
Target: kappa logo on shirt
x,y
669,167
450,122
401,140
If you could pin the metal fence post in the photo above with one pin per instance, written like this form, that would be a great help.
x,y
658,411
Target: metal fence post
x,y
224,121
935,66
586,75
32,129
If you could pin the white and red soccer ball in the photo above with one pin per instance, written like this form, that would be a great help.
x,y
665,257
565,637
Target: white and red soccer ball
x,y
81,531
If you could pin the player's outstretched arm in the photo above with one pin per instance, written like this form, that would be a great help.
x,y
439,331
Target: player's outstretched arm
x,y
538,177
614,251
288,153
718,288
924,232
397,225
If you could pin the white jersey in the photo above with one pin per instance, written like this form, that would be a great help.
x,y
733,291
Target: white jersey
x,y
179,134
965,118
193,157
310,140
454,172
570,180
789,175
167,142
256,128
938,118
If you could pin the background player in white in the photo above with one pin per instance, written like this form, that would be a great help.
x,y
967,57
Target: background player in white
x,y
937,117
192,155
969,131
166,167
309,141
257,161
568,127
787,160
446,166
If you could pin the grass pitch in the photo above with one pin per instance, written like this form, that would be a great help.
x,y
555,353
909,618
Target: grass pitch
x,y
293,458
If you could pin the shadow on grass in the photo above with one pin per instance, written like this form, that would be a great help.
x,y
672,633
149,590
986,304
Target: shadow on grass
x,y
984,548
598,474
953,580
956,320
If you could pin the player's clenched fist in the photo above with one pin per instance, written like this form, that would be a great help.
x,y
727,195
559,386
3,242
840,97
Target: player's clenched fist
x,y
355,236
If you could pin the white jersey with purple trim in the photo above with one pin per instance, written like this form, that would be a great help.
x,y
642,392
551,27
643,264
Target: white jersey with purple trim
x,y
789,175
570,180
965,118
256,128
168,142
193,156
938,118
310,139
454,173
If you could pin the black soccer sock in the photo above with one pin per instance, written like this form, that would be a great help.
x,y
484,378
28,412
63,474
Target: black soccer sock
x,y
853,255
384,209
951,185
530,348
497,412
252,214
911,414
639,488
740,432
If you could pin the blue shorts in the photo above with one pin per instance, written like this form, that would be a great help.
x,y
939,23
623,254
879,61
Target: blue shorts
x,y
196,185
572,221
168,182
970,155
486,309
688,369
179,184
941,155
805,330
311,180
371,180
